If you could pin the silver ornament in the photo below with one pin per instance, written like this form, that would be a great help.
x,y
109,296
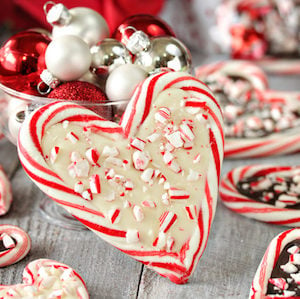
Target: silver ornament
x,y
109,54
80,21
166,52
122,81
68,58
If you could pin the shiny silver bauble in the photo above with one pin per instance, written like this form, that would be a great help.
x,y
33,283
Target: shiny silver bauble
x,y
109,54
165,52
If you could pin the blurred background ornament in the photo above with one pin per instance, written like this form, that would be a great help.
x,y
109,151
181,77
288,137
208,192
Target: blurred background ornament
x,y
83,22
150,25
165,52
109,54
22,60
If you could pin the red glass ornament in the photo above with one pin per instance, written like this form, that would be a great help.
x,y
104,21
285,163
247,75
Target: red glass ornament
x,y
88,94
22,60
149,24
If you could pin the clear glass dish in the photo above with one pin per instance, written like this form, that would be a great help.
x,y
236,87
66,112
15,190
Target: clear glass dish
x,y
16,106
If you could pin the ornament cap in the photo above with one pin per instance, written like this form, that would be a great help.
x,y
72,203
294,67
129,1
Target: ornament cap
x,y
58,14
139,41
49,80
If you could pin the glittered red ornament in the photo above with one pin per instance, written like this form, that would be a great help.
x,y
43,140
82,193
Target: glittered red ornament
x,y
86,94
22,60
149,24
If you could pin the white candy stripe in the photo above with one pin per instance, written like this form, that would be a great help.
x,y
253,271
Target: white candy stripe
x,y
251,208
37,168
5,193
259,286
16,251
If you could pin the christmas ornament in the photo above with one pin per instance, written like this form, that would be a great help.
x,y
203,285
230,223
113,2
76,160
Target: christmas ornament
x,y
109,54
123,80
165,52
150,25
68,58
87,94
22,60
80,21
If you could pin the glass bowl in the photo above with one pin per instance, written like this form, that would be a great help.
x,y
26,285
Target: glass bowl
x,y
16,106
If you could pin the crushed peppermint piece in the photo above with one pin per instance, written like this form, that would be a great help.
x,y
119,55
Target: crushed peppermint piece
x,y
149,204
197,159
289,268
92,155
8,241
153,137
138,144
166,220
126,204
162,115
193,175
53,154
79,168
138,213
147,175
295,258
170,243
114,161
111,196
114,215
128,185
165,199
87,195
176,193
78,187
294,249
186,132
132,236
65,124
175,166
140,160
296,277
279,282
110,151
191,211
95,184
175,139
168,157
75,156
71,136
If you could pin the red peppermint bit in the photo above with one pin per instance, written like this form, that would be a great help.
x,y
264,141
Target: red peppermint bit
x,y
176,193
95,184
138,144
93,156
122,194
166,220
149,204
191,211
87,195
114,215
71,136
279,282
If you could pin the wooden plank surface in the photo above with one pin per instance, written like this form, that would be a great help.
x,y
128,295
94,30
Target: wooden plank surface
x,y
234,249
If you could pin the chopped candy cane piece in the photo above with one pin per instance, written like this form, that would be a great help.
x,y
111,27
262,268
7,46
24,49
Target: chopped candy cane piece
x,y
296,277
65,124
75,156
202,118
68,274
168,157
82,168
176,193
95,185
147,175
138,213
192,110
188,145
140,160
78,187
111,196
161,241
157,172
114,161
193,175
53,154
162,179
167,186
132,236
165,199
56,294
280,282
7,240
166,220
169,147
87,195
109,151
289,268
153,137
92,155
175,167
126,204
114,215
191,211
162,115
71,136
197,159
294,249
288,294
110,174
175,139
187,132
149,204
170,243
128,185
138,144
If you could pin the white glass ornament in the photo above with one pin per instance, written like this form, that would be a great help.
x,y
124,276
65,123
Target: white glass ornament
x,y
165,52
123,80
80,21
68,58
109,54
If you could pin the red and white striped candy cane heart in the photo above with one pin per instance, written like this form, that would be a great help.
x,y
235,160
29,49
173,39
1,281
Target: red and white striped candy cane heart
x,y
5,193
177,266
16,242
259,286
251,208
44,278
238,68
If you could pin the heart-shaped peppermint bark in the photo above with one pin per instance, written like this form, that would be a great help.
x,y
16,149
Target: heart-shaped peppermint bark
x,y
153,194
49,279
278,275
264,192
258,121
5,193
14,244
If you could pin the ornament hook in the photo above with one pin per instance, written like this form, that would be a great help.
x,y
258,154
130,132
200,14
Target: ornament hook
x,y
47,5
